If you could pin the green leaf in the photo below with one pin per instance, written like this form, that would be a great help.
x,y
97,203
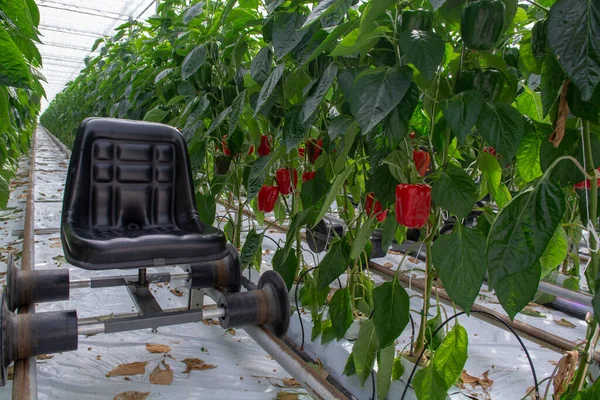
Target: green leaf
x,y
591,393
577,21
18,13
451,356
551,82
385,365
425,50
13,69
252,244
192,12
391,311
373,10
258,170
339,126
587,110
327,332
529,103
335,262
155,115
398,370
326,43
347,143
294,130
287,32
376,92
518,238
340,312
457,259
492,175
352,44
502,127
349,368
528,155
218,120
4,192
207,207
365,350
286,266
237,107
362,237
193,61
261,65
397,123
325,8
433,324
462,112
268,87
454,190
555,252
333,191
4,110
317,95
389,230
429,384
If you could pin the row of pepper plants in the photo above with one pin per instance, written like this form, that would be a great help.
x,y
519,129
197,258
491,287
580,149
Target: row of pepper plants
x,y
402,114
20,84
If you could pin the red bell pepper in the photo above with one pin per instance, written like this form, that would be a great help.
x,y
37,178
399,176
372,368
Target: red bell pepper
x,y
267,196
251,150
225,148
308,176
587,183
374,208
490,150
422,161
301,152
283,177
313,148
413,202
265,146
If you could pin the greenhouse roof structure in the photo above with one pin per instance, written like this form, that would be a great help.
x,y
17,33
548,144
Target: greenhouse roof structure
x,y
69,29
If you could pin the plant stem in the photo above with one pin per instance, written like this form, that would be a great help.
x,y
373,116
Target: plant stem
x,y
420,343
239,216
591,337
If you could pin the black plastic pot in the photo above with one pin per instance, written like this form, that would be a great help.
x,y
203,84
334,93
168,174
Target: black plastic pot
x,y
319,237
377,250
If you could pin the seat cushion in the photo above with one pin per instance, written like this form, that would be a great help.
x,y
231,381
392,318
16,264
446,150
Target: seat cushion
x,y
139,248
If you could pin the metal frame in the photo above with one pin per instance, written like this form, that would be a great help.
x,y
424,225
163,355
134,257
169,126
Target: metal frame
x,y
82,10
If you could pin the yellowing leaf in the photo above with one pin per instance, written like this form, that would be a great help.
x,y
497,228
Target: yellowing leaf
x,y
565,323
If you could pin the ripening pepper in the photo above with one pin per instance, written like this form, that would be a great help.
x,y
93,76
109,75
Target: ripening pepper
x,y
225,148
539,39
251,149
373,206
490,150
265,146
283,177
416,20
481,24
267,196
587,184
413,202
301,152
490,82
422,160
308,176
313,148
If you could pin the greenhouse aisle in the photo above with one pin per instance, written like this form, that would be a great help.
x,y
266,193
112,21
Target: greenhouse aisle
x,y
235,366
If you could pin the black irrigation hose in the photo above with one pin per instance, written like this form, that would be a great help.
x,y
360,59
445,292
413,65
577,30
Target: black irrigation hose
x,y
412,335
535,380
373,382
302,275
272,240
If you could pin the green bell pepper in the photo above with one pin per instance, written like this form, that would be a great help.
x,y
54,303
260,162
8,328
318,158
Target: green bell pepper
x,y
416,20
481,24
511,56
539,39
490,82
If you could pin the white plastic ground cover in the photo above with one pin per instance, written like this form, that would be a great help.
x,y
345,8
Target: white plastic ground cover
x,y
243,369
490,348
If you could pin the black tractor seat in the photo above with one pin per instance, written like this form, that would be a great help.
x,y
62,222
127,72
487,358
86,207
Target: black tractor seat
x,y
129,199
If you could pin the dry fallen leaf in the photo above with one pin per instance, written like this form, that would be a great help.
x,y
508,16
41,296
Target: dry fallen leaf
x,y
290,382
567,366
132,396
157,348
287,396
161,376
564,322
485,382
45,357
177,292
466,378
210,322
388,265
134,368
196,364
231,331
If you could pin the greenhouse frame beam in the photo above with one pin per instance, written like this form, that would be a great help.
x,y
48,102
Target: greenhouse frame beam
x,y
65,46
65,59
82,10
71,31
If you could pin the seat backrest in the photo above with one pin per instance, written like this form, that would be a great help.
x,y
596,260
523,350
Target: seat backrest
x,y
128,175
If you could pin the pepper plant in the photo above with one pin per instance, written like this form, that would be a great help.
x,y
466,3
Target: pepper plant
x,y
396,115
20,87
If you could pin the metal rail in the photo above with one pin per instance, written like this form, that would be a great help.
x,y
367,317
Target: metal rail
x,y
25,370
